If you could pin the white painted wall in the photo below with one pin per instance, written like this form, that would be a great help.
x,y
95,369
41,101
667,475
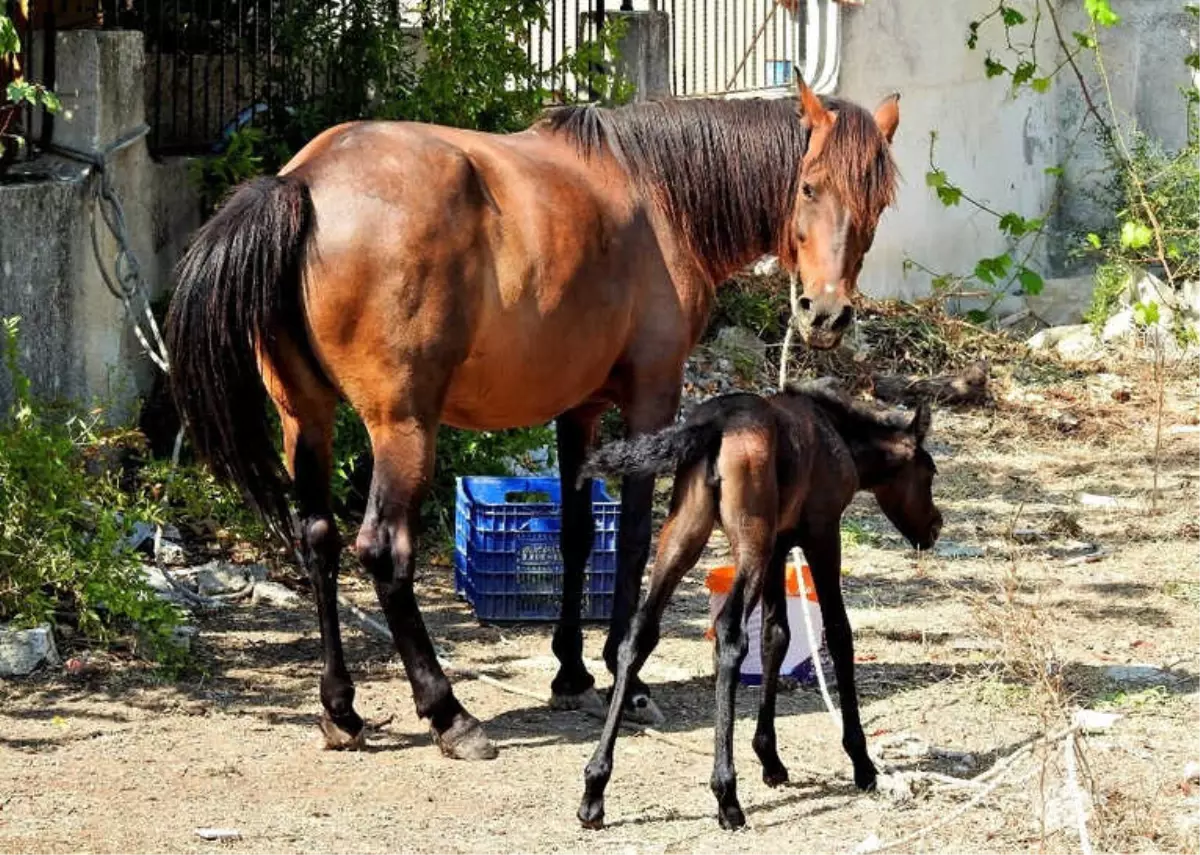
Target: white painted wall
x,y
994,145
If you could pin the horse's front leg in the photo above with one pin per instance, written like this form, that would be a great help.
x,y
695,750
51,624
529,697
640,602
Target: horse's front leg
x,y
647,411
573,687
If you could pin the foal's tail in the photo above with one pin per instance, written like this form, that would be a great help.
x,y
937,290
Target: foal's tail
x,y
239,287
655,453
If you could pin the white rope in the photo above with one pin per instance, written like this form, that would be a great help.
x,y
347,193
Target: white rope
x,y
812,641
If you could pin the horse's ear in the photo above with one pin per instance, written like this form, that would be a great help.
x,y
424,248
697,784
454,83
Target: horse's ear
x,y
811,108
919,426
887,115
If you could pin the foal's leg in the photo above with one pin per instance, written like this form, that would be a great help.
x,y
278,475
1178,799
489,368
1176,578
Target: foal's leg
x,y
683,538
749,509
403,451
775,639
823,548
573,685
650,410
306,408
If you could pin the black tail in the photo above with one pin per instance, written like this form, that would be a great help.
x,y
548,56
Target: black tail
x,y
654,453
239,284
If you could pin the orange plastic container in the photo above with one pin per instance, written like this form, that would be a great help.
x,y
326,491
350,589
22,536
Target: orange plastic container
x,y
798,661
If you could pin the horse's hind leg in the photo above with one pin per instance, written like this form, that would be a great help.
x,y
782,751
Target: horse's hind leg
x,y
306,408
403,450
775,639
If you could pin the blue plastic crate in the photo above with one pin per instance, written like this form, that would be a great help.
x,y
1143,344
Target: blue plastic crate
x,y
507,561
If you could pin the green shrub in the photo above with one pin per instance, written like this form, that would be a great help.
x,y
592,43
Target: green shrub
x,y
63,555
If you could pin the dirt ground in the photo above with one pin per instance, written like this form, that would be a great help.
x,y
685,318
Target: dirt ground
x,y
972,654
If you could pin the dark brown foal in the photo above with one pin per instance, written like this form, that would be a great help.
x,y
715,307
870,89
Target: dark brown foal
x,y
775,473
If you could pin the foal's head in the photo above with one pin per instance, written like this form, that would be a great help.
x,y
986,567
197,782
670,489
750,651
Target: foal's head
x,y
846,179
903,486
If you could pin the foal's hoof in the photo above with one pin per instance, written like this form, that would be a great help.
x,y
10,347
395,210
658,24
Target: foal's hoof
x,y
642,709
775,777
591,815
866,779
338,738
731,817
465,740
588,700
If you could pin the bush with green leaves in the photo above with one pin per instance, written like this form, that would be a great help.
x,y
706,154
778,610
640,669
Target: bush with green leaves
x,y
63,553
19,90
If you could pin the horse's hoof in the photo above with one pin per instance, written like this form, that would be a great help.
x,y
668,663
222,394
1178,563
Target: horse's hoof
x,y
775,777
588,700
731,817
591,815
465,740
867,779
339,739
643,710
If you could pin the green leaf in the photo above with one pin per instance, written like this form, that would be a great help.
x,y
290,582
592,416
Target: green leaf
x,y
1039,84
1192,61
1023,72
1012,223
10,40
1145,314
993,68
1135,235
1101,12
19,91
942,282
50,102
1054,170
1094,240
978,316
972,34
1085,41
935,178
1031,282
1011,17
949,195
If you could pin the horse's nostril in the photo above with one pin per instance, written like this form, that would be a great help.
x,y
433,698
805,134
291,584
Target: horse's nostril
x,y
805,304
843,318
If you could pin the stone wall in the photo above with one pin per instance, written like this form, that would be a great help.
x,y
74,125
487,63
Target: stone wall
x,y
76,343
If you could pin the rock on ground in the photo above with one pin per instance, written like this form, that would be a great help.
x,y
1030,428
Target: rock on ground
x,y
22,651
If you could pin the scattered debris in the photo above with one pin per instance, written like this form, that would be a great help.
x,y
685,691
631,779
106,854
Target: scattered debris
x,y
1028,535
23,651
219,578
1075,343
969,386
1191,772
1094,501
218,834
1094,721
170,554
274,594
1088,558
869,844
1136,673
951,549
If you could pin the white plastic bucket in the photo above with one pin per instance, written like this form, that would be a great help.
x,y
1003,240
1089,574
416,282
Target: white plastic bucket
x,y
798,661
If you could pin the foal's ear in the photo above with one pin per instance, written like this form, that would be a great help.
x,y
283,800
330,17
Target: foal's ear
x,y
811,108
887,115
919,426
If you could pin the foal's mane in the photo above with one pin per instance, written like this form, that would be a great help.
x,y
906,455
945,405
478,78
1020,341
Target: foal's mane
x,y
853,418
726,171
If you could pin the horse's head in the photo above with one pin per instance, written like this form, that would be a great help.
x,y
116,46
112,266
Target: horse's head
x,y
905,495
846,179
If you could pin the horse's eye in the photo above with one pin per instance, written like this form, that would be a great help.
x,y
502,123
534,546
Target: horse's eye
x,y
807,190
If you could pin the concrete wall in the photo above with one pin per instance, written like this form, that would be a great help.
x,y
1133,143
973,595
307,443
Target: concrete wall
x,y
994,145
76,342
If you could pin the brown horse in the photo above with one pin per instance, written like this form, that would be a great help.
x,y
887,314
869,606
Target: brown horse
x,y
776,473
428,274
